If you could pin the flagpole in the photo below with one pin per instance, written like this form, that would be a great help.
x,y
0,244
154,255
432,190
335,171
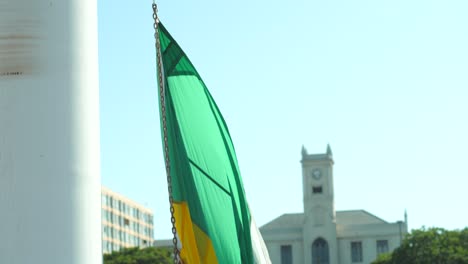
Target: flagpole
x,y
162,104
50,187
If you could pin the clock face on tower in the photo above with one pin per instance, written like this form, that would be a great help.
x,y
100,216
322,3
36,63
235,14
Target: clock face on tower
x,y
316,174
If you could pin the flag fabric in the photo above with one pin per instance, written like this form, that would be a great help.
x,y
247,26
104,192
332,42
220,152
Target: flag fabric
x,y
213,220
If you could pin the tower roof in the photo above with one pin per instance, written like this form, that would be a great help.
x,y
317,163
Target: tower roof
x,y
329,151
327,156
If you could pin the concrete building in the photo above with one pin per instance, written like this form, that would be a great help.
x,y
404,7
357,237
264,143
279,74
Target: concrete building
x,y
163,243
321,235
125,223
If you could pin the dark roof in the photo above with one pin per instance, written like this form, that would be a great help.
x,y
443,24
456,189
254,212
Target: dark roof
x,y
290,220
357,217
344,218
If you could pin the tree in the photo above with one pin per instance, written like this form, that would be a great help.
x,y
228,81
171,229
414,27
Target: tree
x,y
383,259
433,245
148,255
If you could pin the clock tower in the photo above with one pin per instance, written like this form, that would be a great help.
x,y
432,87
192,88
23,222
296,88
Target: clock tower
x,y
319,232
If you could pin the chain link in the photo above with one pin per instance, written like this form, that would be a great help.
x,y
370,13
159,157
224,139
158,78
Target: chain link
x,y
162,103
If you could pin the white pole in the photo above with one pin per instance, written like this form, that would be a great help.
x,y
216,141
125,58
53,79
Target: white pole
x,y
49,132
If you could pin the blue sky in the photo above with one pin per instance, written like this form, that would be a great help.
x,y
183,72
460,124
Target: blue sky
x,y
384,82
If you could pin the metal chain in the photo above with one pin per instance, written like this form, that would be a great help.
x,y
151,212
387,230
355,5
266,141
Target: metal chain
x,y
162,103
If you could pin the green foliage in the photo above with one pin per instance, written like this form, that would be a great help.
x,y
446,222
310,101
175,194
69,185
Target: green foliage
x,y
148,255
383,259
433,245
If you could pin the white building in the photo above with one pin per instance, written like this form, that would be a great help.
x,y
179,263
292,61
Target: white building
x,y
322,235
125,223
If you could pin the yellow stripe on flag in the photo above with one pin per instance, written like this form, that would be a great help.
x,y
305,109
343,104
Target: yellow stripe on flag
x,y
197,247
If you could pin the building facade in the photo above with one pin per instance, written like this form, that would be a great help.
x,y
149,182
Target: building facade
x,y
321,235
124,223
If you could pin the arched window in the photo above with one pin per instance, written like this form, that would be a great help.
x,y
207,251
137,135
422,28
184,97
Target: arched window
x,y
320,252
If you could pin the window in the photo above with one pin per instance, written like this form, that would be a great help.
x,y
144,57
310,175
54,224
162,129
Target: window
x,y
382,246
126,221
104,245
286,254
317,189
320,251
356,252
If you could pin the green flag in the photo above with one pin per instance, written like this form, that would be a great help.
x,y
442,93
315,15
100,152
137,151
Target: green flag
x,y
213,220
